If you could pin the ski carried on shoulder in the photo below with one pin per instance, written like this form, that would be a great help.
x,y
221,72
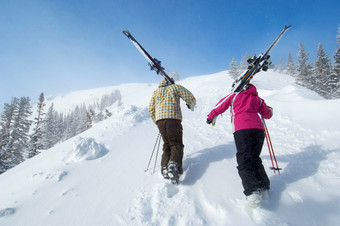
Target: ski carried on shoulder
x,y
153,62
256,64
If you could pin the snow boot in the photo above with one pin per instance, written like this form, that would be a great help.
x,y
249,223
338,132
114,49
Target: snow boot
x,y
254,199
264,194
165,173
173,172
180,170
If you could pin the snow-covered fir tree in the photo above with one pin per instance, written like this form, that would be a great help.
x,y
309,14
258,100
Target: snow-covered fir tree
x,y
109,99
90,117
36,136
305,74
81,119
60,126
322,71
244,64
16,146
337,55
49,129
234,70
22,124
282,66
291,67
334,78
6,121
70,129
174,75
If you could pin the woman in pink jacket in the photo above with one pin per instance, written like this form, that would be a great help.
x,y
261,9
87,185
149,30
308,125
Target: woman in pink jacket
x,y
248,130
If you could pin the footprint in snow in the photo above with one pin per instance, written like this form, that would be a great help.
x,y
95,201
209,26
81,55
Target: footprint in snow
x,y
7,211
171,190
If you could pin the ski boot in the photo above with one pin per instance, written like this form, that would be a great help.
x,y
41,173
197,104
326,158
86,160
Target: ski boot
x,y
254,199
165,173
173,172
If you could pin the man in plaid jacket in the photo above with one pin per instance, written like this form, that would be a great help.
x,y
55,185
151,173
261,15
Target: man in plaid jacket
x,y
165,111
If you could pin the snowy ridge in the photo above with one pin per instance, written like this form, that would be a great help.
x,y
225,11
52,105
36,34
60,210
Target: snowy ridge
x,y
98,178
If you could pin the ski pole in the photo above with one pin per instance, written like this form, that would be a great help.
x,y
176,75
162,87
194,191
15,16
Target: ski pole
x,y
270,148
267,140
157,141
154,168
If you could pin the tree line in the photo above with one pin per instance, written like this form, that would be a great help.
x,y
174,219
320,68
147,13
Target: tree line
x,y
321,76
22,138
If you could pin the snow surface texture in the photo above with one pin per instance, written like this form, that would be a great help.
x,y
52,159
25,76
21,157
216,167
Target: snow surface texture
x,y
98,177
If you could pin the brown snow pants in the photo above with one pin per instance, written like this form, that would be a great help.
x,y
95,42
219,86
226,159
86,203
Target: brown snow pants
x,y
171,131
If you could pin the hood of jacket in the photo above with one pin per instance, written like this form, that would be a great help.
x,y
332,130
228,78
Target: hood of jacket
x,y
163,83
251,90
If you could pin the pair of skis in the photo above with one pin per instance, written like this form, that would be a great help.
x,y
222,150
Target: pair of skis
x,y
256,64
153,62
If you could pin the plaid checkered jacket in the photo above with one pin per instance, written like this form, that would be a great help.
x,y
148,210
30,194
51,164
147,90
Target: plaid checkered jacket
x,y
165,101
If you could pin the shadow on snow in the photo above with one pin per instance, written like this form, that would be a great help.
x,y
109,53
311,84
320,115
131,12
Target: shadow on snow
x,y
197,163
300,166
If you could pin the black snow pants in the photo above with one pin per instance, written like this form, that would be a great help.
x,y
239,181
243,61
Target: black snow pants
x,y
249,144
172,134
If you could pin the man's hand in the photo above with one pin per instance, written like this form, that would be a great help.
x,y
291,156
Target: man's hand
x,y
191,107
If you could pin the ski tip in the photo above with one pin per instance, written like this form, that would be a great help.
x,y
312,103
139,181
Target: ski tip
x,y
288,27
126,32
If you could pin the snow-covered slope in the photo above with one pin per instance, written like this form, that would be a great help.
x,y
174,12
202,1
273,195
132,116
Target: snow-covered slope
x,y
99,178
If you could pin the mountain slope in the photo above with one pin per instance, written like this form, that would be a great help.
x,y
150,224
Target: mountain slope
x,y
98,177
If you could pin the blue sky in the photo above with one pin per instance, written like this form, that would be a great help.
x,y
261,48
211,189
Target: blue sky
x,y
58,46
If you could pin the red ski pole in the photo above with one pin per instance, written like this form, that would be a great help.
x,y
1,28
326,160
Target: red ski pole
x,y
270,148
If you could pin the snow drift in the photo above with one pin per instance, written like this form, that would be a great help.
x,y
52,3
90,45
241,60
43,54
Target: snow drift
x,y
87,149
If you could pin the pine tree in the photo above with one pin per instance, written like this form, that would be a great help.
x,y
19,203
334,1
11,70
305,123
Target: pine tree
x,y
291,67
244,63
18,140
90,117
7,117
82,126
49,138
305,74
322,71
36,137
234,70
60,126
80,118
118,96
174,75
6,121
337,55
333,83
70,129
282,66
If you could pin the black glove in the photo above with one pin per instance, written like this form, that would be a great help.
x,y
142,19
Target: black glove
x,y
209,121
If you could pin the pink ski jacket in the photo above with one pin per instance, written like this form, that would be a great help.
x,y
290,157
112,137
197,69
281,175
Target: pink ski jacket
x,y
244,110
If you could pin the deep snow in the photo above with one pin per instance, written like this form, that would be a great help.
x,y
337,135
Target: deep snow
x,y
99,178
